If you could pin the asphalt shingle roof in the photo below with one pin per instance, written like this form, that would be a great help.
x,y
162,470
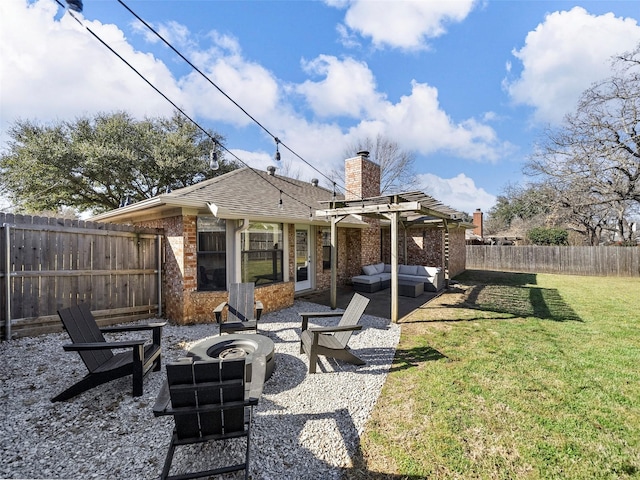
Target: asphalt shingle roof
x,y
241,193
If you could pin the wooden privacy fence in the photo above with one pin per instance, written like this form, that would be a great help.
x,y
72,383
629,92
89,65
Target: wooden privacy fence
x,y
51,263
602,261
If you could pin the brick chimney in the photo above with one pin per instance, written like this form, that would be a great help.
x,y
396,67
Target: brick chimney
x,y
362,177
362,180
477,222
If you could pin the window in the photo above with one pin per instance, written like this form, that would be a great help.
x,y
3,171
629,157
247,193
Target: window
x,y
212,254
262,253
326,249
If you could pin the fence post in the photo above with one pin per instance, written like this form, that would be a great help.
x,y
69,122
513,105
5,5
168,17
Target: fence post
x,y
7,281
159,264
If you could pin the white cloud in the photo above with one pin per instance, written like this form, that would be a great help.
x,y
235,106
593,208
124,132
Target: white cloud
x,y
347,89
173,32
564,55
59,71
248,84
403,24
418,123
459,192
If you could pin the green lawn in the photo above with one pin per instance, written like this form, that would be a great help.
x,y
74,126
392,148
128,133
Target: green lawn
x,y
513,376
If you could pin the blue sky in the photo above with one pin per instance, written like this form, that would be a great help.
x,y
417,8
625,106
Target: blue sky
x,y
468,86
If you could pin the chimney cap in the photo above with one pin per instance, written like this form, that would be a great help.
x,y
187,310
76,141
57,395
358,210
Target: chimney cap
x,y
314,182
364,153
271,169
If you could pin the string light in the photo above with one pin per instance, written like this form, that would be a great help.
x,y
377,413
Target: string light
x,y
213,160
277,155
280,204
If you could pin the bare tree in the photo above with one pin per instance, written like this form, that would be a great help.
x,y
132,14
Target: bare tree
x,y
593,161
397,172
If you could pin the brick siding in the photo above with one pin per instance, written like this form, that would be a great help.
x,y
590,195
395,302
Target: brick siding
x,y
425,246
184,304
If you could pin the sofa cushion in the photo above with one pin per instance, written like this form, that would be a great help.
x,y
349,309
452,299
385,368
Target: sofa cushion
x,y
369,270
413,278
387,268
366,279
379,267
407,269
423,271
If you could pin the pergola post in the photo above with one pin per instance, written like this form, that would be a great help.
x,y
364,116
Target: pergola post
x,y
394,266
334,262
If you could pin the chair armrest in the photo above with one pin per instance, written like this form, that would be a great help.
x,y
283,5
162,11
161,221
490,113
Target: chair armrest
x,y
337,328
133,328
156,327
162,401
76,347
307,315
218,312
259,309
321,314
258,370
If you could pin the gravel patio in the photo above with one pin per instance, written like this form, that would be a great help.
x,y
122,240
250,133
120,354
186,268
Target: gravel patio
x,y
305,427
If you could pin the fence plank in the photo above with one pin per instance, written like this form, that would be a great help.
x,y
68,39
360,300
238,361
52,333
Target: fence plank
x,y
55,263
596,261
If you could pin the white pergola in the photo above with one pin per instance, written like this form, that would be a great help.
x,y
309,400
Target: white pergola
x,y
401,207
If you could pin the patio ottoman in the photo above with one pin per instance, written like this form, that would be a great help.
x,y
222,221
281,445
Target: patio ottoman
x,y
365,283
410,288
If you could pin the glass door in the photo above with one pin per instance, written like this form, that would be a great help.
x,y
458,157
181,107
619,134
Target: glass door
x,y
303,271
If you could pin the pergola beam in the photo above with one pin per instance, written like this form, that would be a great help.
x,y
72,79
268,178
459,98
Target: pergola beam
x,y
381,210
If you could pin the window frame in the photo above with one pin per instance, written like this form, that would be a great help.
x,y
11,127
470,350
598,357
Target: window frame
x,y
215,279
263,262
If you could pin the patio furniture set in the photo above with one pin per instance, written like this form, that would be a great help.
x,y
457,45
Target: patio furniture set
x,y
413,280
212,391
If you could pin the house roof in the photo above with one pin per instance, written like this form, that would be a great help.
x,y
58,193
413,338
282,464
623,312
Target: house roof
x,y
241,193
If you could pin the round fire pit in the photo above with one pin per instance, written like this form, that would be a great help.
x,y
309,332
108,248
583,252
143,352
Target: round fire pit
x,y
236,345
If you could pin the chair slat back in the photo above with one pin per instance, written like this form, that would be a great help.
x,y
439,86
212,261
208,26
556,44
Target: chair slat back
x,y
241,302
81,326
351,317
195,386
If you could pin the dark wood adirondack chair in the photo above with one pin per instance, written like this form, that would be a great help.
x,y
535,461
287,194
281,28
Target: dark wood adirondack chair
x,y
97,355
209,401
243,312
332,341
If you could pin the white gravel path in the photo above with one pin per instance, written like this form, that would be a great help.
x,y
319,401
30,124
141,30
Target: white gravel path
x,y
305,427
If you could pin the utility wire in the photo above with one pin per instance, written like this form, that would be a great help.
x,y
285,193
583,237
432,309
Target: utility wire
x,y
275,138
216,142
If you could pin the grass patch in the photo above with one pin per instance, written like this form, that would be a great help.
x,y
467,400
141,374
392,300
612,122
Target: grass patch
x,y
513,376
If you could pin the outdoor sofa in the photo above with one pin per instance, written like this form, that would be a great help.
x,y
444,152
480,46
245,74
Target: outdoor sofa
x,y
378,277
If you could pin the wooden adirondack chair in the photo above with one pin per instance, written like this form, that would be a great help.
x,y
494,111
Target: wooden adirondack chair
x,y
209,401
332,341
97,355
243,312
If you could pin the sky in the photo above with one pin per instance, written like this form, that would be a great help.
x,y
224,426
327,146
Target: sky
x,y
467,86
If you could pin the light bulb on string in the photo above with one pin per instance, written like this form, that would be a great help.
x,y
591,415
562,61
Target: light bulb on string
x,y
213,160
280,204
277,154
310,214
